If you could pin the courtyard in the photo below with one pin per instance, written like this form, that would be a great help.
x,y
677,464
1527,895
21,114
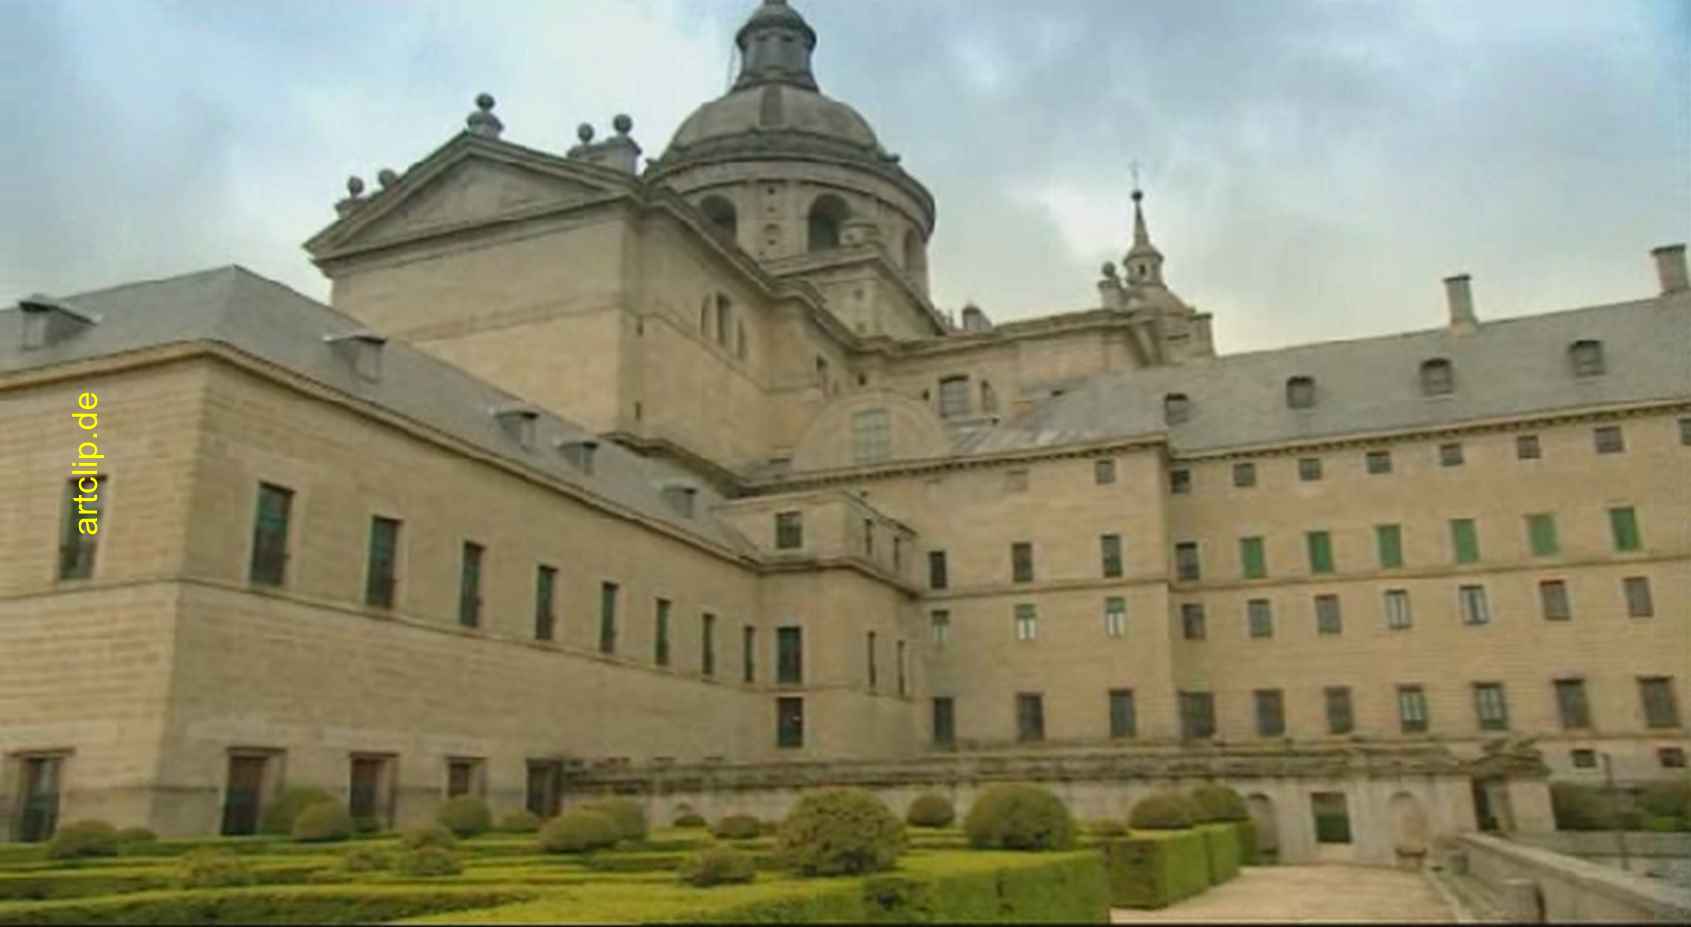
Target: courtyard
x,y
1306,894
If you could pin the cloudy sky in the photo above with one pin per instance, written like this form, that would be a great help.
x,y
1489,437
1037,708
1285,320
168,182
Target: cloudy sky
x,y
1313,168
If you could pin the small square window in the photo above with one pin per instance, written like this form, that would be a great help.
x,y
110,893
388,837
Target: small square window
x,y
1244,474
1379,462
1685,431
1609,440
1526,447
1016,481
1671,757
1583,759
1450,455
1180,482
1104,472
1192,621
1309,469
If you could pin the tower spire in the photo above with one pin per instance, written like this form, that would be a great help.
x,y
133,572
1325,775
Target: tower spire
x,y
1143,263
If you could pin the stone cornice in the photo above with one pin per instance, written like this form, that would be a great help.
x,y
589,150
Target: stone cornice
x,y
819,478
872,256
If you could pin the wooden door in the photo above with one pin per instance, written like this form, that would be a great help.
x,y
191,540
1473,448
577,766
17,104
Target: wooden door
x,y
244,794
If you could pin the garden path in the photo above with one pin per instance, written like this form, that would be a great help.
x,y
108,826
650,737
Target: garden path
x,y
1307,894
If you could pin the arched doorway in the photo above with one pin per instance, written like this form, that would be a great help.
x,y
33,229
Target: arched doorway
x,y
1409,829
1268,831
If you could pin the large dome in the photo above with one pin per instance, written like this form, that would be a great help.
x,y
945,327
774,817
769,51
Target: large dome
x,y
774,107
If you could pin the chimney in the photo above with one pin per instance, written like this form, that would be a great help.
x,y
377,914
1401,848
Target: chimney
x,y
361,349
47,321
1461,301
1670,268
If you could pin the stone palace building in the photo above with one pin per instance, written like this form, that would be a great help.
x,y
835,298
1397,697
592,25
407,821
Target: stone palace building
x,y
671,480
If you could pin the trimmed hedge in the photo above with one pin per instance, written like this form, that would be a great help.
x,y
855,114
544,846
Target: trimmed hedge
x,y
1106,827
628,817
83,839
433,835
366,859
840,832
135,835
213,869
1017,816
279,815
738,827
363,904
718,866
690,820
324,822
1221,845
578,831
1162,811
1154,870
930,810
465,816
1670,799
1249,855
427,862
1217,803
519,822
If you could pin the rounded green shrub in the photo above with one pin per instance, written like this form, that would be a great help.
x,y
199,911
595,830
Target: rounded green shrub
x,y
1163,811
279,815
520,822
1106,827
465,816
366,859
428,862
1019,817
840,832
930,810
1671,799
628,816
578,831
1581,807
737,827
718,866
1218,803
133,835
83,839
324,822
210,868
365,826
689,819
431,836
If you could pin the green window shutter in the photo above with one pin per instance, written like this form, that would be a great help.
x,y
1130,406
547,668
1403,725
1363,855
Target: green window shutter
x,y
1251,555
1541,531
1320,552
1625,524
1465,539
1390,540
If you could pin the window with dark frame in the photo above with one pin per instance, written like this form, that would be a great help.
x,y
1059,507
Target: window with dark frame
x,y
1571,704
1340,717
380,580
1115,616
937,578
789,530
545,581
660,639
707,644
789,723
1300,393
1553,597
1180,482
1412,709
1526,447
1186,564
1636,589
469,586
1027,622
1260,618
1021,562
1328,619
789,656
872,662
1030,717
1388,539
1583,759
270,535
1270,712
953,397
1197,715
608,617
1661,709
945,719
1192,621
76,549
1309,469
1244,475
1609,440
1398,616
939,622
1110,552
1490,710
1104,471
1474,608
1378,462
1437,378
1450,455
1124,722
1587,357
1671,757
903,678
748,654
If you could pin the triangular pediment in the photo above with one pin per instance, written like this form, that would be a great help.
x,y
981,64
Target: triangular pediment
x,y
459,190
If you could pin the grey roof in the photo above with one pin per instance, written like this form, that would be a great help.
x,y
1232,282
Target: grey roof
x,y
1507,367
263,318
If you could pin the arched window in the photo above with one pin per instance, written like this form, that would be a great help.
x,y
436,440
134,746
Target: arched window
x,y
704,317
1587,358
740,340
989,399
827,216
721,214
1300,392
1437,377
724,323
1176,408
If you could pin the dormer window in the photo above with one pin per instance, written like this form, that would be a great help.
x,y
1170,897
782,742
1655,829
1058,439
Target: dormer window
x,y
579,452
1300,392
1587,358
363,350
680,497
953,397
1438,378
518,422
1176,408
47,321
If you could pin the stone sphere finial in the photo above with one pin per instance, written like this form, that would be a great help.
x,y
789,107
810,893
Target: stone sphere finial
x,y
484,102
387,177
584,132
354,185
1108,270
623,123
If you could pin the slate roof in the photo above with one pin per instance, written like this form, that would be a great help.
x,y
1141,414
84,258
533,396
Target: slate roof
x,y
263,318
1507,367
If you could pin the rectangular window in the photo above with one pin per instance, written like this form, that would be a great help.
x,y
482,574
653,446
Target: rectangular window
x,y
1583,759
953,397
545,579
1526,447
1623,523
1571,704
270,535
1030,717
748,654
1465,540
38,814
660,645
1252,558
1244,474
469,586
789,656
1685,431
1450,455
1110,549
545,788
903,678
1541,534
608,618
1379,462
1638,604
1553,595
384,556
1389,540
1332,817
1271,713
1320,551
83,509
1186,561
1115,616
1340,718
243,801
872,668
1489,709
1327,617
1397,609
1309,469
945,722
1016,481
368,796
940,622
1661,709
1671,757
870,436
1260,618
1027,622
1412,709
1124,722
1474,609
789,530
1021,562
937,578
1609,440
707,644
1104,471
1197,715
1192,621
869,538
464,777
789,723
1180,482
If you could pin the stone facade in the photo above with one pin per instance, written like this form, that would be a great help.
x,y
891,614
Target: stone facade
x,y
843,538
